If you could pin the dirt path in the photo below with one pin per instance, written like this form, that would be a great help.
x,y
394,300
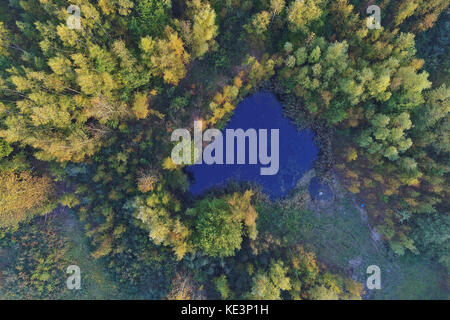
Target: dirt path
x,y
340,234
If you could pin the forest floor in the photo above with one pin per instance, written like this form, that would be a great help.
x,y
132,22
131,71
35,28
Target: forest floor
x,y
95,281
339,233
64,225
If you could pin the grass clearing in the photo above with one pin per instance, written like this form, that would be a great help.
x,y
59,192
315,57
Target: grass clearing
x,y
342,240
95,280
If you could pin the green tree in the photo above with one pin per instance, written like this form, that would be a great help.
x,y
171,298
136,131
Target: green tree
x,y
219,223
151,19
268,285
204,28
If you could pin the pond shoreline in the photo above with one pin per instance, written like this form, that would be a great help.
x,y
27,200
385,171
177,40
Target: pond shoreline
x,y
294,109
296,151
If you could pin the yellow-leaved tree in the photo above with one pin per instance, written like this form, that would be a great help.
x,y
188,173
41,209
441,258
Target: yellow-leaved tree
x,y
204,27
166,57
22,196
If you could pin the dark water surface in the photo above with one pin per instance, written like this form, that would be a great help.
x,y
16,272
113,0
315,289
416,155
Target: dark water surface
x,y
297,150
320,190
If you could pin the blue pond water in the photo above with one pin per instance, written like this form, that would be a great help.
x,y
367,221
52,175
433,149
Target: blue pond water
x,y
296,154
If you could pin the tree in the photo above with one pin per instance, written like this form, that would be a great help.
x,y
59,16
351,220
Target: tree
x,y
302,12
5,149
140,105
219,223
4,39
258,24
268,285
152,18
216,232
259,71
387,135
223,287
166,57
314,55
431,236
123,7
406,9
147,181
276,7
182,287
204,27
351,154
155,212
22,196
322,293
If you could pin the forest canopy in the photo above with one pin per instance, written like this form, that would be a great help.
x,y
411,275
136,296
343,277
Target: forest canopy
x,y
88,106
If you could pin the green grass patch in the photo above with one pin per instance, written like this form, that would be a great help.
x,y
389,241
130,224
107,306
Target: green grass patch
x,y
341,240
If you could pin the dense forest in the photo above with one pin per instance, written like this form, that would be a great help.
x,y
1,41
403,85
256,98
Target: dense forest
x,y
89,100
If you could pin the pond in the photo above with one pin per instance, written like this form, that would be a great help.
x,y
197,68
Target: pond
x,y
320,190
297,151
